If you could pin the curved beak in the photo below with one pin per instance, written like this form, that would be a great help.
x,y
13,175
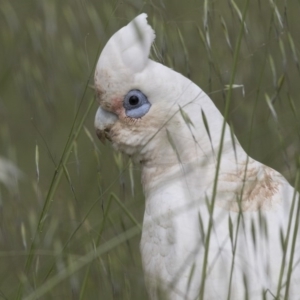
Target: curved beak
x,y
103,122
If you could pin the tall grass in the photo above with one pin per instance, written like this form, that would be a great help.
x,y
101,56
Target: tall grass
x,y
70,227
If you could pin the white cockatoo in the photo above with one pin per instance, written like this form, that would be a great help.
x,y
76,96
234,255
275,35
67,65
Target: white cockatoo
x,y
202,238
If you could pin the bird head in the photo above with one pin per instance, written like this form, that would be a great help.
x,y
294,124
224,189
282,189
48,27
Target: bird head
x,y
143,104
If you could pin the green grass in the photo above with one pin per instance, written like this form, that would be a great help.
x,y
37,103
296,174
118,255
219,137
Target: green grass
x,y
71,227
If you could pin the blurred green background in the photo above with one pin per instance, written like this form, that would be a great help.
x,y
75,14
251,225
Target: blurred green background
x,y
54,218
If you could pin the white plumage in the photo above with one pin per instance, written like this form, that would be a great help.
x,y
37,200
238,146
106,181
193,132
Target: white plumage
x,y
143,112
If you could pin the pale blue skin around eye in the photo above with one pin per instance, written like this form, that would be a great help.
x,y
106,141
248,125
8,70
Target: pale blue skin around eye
x,y
138,110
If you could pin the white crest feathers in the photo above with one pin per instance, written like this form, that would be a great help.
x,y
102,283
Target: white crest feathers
x,y
130,46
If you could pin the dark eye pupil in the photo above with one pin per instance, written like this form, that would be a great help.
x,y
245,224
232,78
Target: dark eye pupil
x,y
133,100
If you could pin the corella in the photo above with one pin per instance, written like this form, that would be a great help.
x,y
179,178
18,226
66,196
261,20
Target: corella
x,y
213,228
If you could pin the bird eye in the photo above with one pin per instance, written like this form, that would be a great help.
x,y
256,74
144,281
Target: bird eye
x,y
136,104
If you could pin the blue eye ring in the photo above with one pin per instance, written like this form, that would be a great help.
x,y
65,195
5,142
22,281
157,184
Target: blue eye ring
x,y
136,104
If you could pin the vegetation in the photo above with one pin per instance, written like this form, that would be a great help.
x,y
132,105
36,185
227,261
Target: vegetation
x,y
71,227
